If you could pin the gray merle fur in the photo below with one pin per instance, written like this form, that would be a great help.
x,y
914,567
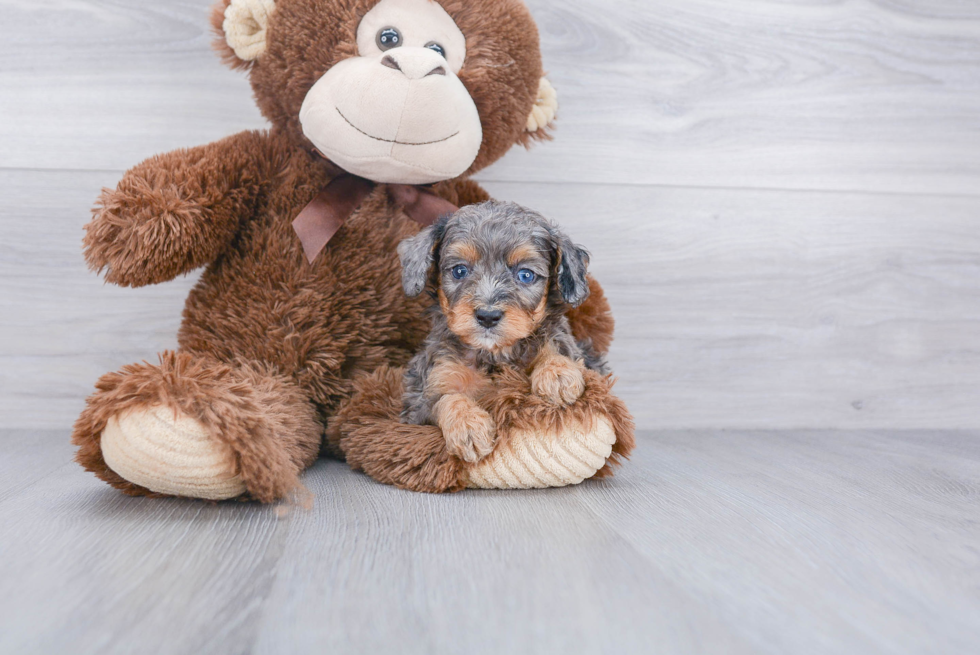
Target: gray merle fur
x,y
496,230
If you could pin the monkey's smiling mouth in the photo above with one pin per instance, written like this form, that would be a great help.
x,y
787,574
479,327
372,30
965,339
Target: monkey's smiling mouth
x,y
401,143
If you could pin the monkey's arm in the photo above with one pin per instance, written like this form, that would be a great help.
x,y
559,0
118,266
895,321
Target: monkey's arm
x,y
177,211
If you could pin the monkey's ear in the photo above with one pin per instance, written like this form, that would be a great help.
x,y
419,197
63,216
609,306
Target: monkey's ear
x,y
571,269
240,29
417,255
543,112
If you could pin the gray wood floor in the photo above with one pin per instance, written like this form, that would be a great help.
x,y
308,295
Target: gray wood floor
x,y
782,198
707,542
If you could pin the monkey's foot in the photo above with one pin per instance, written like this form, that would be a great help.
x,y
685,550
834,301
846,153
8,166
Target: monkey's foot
x,y
163,450
535,459
538,443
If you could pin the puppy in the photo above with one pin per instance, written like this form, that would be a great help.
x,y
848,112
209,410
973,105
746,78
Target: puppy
x,y
504,277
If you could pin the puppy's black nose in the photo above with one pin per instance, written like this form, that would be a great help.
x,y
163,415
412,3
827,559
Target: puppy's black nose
x,y
488,317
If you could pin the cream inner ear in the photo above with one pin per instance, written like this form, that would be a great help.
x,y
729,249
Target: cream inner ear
x,y
245,25
545,107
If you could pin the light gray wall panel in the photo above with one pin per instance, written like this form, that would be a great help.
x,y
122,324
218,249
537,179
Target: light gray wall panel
x,y
734,308
801,95
686,131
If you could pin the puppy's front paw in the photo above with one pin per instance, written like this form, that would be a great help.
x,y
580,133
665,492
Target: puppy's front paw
x,y
468,430
559,380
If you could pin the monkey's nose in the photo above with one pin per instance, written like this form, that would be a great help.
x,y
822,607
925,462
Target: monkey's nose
x,y
488,317
415,65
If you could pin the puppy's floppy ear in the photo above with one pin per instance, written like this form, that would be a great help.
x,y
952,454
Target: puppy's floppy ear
x,y
417,255
571,268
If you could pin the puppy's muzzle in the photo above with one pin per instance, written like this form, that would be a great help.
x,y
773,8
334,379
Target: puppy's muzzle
x,y
488,318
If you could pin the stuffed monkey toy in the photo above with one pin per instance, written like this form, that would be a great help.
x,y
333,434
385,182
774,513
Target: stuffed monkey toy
x,y
380,111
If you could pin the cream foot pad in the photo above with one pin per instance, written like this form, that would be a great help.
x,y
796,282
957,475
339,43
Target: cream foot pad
x,y
534,460
170,453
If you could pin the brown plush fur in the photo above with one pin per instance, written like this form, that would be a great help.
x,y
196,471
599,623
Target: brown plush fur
x,y
372,419
270,344
264,417
408,456
514,407
308,37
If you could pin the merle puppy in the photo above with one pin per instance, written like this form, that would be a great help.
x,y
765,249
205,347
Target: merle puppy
x,y
504,277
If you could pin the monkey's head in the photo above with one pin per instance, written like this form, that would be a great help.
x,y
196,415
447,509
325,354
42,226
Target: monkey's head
x,y
396,91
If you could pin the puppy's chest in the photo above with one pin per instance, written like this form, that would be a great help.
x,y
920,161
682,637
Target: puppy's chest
x,y
471,372
520,356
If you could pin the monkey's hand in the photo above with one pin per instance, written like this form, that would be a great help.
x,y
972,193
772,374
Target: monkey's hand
x,y
176,212
468,429
557,379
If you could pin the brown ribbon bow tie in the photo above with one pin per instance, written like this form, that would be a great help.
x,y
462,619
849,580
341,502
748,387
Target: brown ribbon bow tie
x,y
321,219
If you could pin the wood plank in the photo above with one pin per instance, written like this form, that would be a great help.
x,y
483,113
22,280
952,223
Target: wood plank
x,y
747,309
28,457
85,569
756,309
802,95
500,572
868,96
812,542
101,86
707,541
63,327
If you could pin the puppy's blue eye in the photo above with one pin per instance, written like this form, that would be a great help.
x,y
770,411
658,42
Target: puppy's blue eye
x,y
526,276
460,272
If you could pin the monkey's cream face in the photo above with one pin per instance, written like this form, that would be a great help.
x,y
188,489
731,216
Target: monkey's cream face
x,y
397,112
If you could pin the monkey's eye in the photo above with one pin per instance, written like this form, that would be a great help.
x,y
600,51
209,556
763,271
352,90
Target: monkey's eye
x,y
435,47
459,272
526,276
389,38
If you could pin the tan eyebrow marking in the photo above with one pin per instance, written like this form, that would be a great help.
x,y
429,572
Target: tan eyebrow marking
x,y
463,250
521,253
